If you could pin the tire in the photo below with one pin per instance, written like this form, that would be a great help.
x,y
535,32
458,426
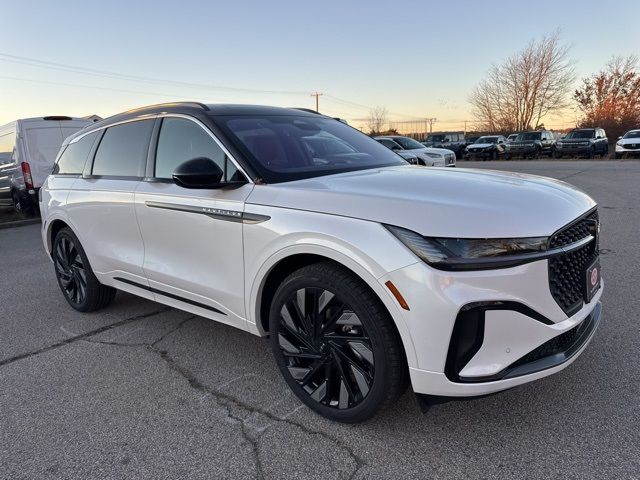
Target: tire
x,y
78,284
557,155
537,154
20,207
494,155
592,152
314,313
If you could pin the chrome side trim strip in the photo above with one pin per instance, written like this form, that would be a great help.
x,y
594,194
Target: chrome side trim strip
x,y
217,213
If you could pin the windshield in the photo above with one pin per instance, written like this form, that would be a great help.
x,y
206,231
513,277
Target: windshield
x,y
486,140
632,134
435,138
290,147
408,143
530,136
581,134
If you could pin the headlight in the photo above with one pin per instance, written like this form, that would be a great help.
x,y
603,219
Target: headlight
x,y
619,145
433,155
471,254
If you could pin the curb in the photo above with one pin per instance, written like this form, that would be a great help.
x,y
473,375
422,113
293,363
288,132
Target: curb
x,y
20,223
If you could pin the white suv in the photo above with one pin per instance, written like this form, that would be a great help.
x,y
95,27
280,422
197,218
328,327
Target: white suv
x,y
367,273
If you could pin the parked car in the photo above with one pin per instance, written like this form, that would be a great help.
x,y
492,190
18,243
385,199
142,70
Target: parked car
x,y
588,142
531,144
628,145
489,147
406,154
431,157
512,137
365,272
28,148
454,141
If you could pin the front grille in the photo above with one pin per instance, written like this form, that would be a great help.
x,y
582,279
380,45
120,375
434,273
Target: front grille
x,y
632,146
567,271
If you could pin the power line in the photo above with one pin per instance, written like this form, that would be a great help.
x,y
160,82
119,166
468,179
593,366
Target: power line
x,y
75,85
109,74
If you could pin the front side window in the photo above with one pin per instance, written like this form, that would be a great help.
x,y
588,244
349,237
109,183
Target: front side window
x,y
123,150
72,160
290,147
388,143
181,140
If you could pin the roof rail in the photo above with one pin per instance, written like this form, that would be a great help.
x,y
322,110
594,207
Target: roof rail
x,y
167,104
308,110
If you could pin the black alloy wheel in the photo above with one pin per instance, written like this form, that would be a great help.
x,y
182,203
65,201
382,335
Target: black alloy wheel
x,y
335,344
70,271
79,285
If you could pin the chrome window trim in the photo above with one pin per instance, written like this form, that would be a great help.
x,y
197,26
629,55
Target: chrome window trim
x,y
153,116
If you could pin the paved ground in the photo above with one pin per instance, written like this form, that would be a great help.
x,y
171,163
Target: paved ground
x,y
142,391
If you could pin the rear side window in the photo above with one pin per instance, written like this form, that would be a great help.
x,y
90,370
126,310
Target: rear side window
x,y
123,150
7,144
73,158
181,140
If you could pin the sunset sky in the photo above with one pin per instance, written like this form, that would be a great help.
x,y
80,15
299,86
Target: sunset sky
x,y
416,58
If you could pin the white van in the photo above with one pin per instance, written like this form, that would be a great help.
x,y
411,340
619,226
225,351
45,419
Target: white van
x,y
28,150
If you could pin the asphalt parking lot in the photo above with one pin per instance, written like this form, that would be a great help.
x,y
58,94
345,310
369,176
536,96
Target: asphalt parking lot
x,y
143,391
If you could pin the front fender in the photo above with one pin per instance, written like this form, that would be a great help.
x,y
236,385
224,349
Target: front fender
x,y
365,248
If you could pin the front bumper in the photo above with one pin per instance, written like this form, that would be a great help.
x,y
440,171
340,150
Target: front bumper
x,y
627,152
573,149
511,351
515,150
482,154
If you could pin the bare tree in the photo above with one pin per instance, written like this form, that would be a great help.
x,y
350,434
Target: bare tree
x,y
377,120
525,88
611,97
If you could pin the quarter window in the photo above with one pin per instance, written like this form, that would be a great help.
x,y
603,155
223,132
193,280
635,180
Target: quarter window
x,y
73,158
123,150
181,140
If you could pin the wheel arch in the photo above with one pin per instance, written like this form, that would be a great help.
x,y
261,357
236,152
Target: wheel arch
x,y
283,263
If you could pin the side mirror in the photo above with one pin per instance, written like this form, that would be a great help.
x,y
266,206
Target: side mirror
x,y
198,172
620,138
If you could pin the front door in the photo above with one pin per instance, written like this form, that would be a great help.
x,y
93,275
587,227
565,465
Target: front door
x,y
193,237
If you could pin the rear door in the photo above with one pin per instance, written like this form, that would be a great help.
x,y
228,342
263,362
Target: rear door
x,y
193,237
100,205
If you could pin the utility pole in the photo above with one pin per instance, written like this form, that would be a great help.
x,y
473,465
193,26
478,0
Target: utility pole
x,y
431,121
317,95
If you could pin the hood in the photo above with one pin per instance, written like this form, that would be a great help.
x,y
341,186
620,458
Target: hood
x,y
428,150
465,203
480,145
629,141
